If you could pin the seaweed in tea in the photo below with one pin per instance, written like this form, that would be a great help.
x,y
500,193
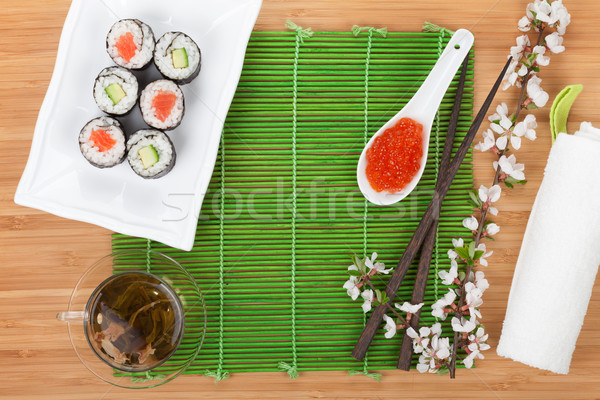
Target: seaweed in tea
x,y
136,321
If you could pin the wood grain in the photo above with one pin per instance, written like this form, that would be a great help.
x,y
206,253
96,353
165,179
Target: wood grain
x,y
42,256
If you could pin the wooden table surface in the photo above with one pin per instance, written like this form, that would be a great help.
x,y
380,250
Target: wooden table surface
x,y
42,256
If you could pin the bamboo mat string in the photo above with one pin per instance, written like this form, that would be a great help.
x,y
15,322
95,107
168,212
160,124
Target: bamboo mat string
x,y
220,374
437,169
356,30
301,34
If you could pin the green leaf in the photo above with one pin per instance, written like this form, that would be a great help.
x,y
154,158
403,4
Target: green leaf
x,y
443,371
359,264
378,295
474,196
385,299
512,180
462,252
353,272
508,184
478,254
461,275
471,250
531,106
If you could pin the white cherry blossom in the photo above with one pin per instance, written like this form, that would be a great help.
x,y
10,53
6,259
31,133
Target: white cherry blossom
x,y
471,223
517,51
501,111
390,327
482,260
409,308
368,296
448,277
554,43
463,324
468,360
456,243
524,24
489,141
564,18
492,229
479,340
490,195
540,58
379,266
526,127
510,167
420,339
351,288
440,348
424,362
439,306
481,282
537,95
473,299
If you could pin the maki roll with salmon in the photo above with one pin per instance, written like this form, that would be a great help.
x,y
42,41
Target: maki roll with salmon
x,y
102,142
130,43
177,57
162,104
150,153
116,90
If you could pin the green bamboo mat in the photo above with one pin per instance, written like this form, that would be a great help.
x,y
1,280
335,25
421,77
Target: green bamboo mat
x,y
283,211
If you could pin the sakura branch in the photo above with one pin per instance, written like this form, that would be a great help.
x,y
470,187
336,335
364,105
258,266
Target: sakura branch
x,y
546,21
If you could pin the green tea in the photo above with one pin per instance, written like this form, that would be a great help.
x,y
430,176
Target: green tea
x,y
135,321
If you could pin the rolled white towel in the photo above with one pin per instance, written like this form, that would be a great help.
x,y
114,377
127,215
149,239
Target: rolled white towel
x,y
559,257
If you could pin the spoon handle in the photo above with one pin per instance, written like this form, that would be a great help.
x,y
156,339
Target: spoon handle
x,y
429,96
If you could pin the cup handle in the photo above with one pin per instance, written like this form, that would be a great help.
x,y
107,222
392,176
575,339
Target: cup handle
x,y
71,316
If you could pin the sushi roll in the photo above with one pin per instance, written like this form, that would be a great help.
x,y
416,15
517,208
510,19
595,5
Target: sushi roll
x,y
177,57
162,104
102,142
130,43
150,153
116,90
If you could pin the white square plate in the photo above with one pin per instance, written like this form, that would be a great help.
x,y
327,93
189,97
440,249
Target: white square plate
x,y
57,178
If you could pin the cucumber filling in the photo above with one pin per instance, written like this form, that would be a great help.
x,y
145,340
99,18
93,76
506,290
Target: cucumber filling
x,y
180,58
115,92
148,155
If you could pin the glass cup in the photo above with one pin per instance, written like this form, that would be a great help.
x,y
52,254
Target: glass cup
x,y
184,297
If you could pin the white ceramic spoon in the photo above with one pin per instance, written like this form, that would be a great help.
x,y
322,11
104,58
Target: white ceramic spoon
x,y
421,108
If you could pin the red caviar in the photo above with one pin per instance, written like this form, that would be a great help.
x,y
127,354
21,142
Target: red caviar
x,y
394,158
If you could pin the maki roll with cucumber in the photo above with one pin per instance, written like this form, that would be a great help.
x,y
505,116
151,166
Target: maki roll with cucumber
x,y
162,104
102,142
177,57
130,43
150,153
116,90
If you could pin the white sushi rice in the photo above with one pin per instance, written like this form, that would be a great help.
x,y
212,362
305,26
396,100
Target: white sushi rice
x,y
148,113
126,80
142,37
92,153
163,58
161,144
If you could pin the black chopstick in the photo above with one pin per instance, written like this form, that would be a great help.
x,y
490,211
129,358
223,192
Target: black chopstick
x,y
366,337
406,351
